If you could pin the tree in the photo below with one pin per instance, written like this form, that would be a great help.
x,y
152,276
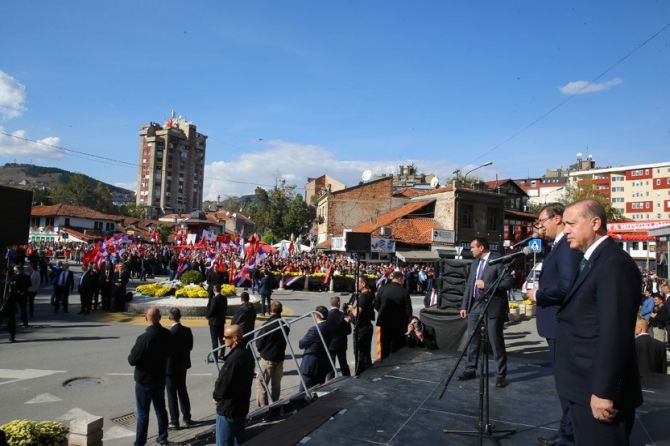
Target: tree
x,y
281,211
586,191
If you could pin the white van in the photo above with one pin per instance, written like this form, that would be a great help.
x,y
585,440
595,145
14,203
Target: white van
x,y
532,279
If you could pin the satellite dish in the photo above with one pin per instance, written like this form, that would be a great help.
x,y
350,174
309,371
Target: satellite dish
x,y
434,182
367,174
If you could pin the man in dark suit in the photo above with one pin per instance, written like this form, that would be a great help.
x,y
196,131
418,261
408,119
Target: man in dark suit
x,y
63,286
271,347
339,327
596,368
85,288
149,355
216,317
178,364
315,364
481,279
245,316
394,308
558,272
106,279
651,356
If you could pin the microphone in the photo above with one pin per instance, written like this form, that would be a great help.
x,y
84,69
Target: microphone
x,y
526,240
525,252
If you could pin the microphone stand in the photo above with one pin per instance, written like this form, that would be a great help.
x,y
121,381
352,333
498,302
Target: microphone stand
x,y
485,429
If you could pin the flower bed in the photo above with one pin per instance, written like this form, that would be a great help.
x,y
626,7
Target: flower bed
x,y
175,287
26,432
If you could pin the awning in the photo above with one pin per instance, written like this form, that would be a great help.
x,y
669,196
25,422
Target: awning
x,y
417,256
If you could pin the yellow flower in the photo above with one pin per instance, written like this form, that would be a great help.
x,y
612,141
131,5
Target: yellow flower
x,y
528,302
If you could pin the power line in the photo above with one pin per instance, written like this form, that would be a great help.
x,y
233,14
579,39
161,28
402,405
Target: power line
x,y
569,98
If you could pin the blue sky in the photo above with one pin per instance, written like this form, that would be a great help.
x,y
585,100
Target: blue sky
x,y
297,89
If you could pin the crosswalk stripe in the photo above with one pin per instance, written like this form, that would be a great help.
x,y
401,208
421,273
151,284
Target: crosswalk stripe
x,y
14,375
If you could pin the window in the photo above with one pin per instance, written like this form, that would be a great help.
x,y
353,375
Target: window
x,y
466,216
492,219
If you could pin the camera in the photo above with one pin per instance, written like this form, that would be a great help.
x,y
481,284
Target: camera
x,y
350,303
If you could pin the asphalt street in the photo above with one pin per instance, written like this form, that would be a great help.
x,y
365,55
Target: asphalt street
x,y
65,365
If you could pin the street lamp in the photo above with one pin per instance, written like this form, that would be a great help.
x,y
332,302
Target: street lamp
x,y
478,167
551,192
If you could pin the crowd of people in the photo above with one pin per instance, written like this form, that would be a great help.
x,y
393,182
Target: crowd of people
x,y
591,299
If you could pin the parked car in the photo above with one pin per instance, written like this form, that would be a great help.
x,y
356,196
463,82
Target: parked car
x,y
532,279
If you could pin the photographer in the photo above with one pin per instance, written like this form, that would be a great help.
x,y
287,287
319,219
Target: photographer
x,y
362,312
420,335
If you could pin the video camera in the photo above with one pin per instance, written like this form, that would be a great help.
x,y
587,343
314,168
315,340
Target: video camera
x,y
352,302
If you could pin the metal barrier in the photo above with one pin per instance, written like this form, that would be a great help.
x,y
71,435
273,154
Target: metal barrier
x,y
251,339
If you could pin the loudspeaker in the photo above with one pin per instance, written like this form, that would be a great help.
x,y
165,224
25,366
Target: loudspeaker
x,y
357,241
451,282
15,226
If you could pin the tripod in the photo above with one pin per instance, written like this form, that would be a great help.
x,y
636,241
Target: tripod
x,y
485,429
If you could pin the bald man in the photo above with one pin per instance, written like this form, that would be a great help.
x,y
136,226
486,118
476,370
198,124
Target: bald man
x,y
232,390
149,356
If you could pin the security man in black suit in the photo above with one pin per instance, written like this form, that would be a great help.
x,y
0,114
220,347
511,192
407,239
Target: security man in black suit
x,y
178,364
149,355
339,326
481,278
216,316
596,368
558,272
364,313
651,356
86,287
63,286
394,308
245,316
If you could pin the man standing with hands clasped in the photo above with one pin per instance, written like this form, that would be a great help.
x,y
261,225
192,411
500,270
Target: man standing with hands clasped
x,y
481,278
232,390
149,356
596,368
558,272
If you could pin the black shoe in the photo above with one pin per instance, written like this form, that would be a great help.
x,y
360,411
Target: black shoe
x,y
162,442
189,423
501,381
173,426
468,374
548,441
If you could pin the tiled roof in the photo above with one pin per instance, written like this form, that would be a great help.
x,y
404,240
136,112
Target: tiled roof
x,y
391,216
439,190
417,231
69,210
519,214
81,235
407,192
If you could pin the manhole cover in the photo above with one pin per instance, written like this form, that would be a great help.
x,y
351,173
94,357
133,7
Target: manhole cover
x,y
125,420
85,381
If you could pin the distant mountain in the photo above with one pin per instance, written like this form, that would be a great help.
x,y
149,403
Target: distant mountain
x,y
29,176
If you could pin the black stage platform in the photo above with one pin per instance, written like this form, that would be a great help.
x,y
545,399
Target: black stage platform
x,y
395,403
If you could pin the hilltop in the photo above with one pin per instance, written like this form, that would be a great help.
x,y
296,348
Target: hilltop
x,y
29,176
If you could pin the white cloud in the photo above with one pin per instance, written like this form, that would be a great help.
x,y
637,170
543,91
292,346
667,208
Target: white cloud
x,y
18,146
12,97
295,162
583,87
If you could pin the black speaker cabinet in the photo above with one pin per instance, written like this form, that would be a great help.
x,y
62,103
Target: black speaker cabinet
x,y
15,224
357,241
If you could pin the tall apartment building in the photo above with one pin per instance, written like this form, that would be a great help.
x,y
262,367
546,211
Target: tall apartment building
x,y
171,167
641,192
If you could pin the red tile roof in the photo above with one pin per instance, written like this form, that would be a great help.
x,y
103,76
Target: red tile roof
x,y
417,231
69,210
391,216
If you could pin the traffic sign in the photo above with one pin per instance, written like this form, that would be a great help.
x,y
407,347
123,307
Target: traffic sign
x,y
536,245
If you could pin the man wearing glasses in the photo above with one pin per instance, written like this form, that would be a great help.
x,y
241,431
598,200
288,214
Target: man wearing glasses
x,y
558,272
232,390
